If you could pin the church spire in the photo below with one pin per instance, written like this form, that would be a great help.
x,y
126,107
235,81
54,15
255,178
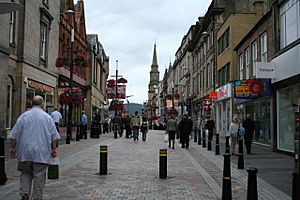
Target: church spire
x,y
154,60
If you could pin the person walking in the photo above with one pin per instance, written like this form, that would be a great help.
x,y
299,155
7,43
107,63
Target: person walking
x,y
56,116
135,123
33,142
144,128
210,126
186,127
127,126
249,127
233,131
83,123
171,130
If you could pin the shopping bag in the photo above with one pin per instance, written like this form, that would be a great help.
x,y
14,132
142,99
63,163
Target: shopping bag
x,y
53,168
166,138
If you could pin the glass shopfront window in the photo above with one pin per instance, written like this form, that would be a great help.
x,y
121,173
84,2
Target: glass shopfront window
x,y
260,114
30,93
287,100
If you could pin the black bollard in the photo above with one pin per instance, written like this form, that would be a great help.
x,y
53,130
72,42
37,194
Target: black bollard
x,y
195,135
103,160
78,132
208,145
296,191
203,139
69,134
3,177
217,145
226,189
163,155
227,147
252,184
199,138
241,155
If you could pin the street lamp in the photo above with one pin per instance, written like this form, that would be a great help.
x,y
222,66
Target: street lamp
x,y
69,126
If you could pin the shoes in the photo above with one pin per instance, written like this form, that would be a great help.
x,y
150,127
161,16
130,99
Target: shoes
x,y
169,146
172,147
186,147
182,146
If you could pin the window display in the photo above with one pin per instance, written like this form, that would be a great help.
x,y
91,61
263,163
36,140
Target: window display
x,y
287,100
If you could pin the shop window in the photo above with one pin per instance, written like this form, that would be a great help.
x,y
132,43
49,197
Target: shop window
x,y
287,100
29,97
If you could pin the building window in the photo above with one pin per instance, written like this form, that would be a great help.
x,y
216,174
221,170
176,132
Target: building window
x,y
224,74
95,70
289,22
224,41
247,63
43,41
263,48
254,57
12,28
212,72
241,66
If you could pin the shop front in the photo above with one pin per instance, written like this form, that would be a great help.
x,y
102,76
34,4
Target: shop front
x,y
254,97
223,109
37,88
288,104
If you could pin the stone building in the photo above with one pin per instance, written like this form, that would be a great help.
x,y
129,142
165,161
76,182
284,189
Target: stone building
x,y
33,44
97,78
72,46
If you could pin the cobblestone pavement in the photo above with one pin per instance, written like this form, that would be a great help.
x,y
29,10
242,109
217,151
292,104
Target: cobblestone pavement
x,y
193,173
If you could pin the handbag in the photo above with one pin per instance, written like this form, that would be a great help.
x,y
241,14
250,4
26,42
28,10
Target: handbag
x,y
166,138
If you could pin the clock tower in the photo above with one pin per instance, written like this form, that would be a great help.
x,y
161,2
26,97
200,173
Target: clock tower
x,y
154,76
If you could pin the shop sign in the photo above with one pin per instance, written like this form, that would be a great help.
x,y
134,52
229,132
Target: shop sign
x,y
40,86
265,70
251,89
224,92
213,95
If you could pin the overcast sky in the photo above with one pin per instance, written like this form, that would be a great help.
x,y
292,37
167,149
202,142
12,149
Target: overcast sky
x,y
129,29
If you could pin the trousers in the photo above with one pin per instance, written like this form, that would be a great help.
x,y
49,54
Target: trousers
x,y
32,177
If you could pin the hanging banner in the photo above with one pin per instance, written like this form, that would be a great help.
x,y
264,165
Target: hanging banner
x,y
251,89
111,92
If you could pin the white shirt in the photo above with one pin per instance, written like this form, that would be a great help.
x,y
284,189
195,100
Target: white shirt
x,y
34,132
56,116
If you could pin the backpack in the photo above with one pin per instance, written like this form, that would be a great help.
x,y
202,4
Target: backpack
x,y
241,131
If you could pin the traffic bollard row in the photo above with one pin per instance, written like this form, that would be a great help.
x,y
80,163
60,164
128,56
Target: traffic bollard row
x,y
217,145
226,189
195,136
199,138
103,160
203,139
227,148
252,184
163,155
241,155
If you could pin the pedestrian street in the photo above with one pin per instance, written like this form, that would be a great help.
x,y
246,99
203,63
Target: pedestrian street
x,y
133,173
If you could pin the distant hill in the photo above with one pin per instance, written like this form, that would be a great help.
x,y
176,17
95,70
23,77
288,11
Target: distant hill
x,y
132,108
